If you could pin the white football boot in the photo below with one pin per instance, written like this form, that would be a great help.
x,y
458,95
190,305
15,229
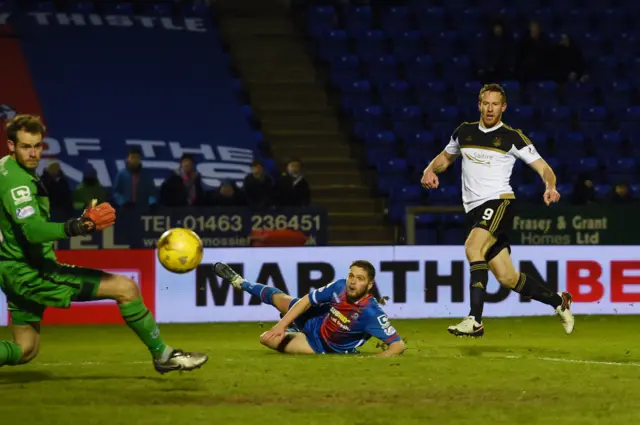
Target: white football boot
x,y
180,361
227,273
564,311
468,327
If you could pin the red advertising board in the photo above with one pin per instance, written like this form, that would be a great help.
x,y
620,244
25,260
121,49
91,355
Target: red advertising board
x,y
136,264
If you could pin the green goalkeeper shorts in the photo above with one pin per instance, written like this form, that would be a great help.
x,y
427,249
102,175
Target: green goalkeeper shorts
x,y
31,290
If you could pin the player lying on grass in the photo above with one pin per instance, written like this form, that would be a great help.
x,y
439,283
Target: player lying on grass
x,y
33,279
335,319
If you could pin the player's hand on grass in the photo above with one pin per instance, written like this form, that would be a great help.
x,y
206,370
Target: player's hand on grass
x,y
551,196
429,180
273,336
95,217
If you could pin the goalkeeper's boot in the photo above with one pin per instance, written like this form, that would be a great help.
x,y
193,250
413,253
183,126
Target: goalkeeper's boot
x,y
227,273
468,327
564,311
180,360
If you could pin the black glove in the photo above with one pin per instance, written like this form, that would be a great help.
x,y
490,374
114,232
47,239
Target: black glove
x,y
79,226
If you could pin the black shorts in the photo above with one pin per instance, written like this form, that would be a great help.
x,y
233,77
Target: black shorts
x,y
496,217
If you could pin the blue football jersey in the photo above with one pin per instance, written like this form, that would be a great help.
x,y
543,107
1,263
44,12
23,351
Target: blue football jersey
x,y
347,326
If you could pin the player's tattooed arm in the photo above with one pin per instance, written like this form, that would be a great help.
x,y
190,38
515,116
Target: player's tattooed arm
x,y
441,162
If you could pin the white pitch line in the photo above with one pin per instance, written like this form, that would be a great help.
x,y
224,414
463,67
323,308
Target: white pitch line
x,y
545,359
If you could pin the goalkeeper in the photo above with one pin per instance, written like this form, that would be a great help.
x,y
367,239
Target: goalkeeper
x,y
31,277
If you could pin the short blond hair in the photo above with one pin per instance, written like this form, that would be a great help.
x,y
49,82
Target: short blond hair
x,y
493,87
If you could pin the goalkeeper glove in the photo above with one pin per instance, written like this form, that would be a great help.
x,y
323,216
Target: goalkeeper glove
x,y
94,218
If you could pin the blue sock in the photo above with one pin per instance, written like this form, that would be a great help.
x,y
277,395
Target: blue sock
x,y
265,292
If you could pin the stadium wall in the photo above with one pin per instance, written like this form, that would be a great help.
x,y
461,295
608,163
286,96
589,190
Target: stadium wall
x,y
414,281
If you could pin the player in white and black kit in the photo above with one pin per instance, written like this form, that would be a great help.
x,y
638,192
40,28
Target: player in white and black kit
x,y
489,150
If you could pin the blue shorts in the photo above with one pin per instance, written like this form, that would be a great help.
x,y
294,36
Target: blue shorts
x,y
309,323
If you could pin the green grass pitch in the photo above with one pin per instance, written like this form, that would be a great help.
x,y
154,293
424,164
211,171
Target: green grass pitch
x,y
524,371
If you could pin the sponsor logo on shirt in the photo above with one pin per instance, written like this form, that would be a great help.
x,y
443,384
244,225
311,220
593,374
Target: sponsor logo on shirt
x,y
25,212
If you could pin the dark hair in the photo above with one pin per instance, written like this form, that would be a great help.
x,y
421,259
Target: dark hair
x,y
188,156
134,150
494,88
28,123
256,163
367,266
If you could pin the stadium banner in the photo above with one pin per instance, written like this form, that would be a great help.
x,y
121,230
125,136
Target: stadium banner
x,y
106,83
217,227
575,225
138,265
415,282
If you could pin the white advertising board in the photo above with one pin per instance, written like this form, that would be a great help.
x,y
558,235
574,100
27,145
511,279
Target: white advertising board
x,y
420,282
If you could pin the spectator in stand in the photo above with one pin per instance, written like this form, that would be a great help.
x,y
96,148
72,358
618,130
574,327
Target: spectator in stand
x,y
292,189
134,187
532,56
183,187
496,62
583,191
568,62
258,187
227,195
90,188
620,195
57,186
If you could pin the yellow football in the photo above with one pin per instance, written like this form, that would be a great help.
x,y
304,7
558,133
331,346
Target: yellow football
x,y
179,250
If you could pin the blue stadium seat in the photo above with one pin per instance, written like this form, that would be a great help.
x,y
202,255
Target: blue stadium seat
x,y
588,165
456,70
540,140
622,170
380,144
397,211
431,19
544,15
576,23
392,166
609,145
394,94
320,19
411,193
419,139
160,9
570,144
371,44
356,95
82,7
408,113
386,183
333,43
611,21
369,113
407,45
427,229
455,231
544,94
444,195
602,191
469,21
395,19
576,95
420,68
522,117
358,18
634,189
527,192
345,69
431,93
624,44
556,119
444,44
193,10
383,68
629,123
118,8
593,120
604,69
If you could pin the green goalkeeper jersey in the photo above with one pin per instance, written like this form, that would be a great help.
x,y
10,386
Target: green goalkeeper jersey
x,y
26,233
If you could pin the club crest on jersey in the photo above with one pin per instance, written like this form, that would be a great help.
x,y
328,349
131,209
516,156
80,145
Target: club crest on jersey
x,y
497,141
21,194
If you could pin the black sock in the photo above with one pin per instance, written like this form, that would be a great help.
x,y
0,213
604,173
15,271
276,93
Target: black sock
x,y
479,279
529,287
